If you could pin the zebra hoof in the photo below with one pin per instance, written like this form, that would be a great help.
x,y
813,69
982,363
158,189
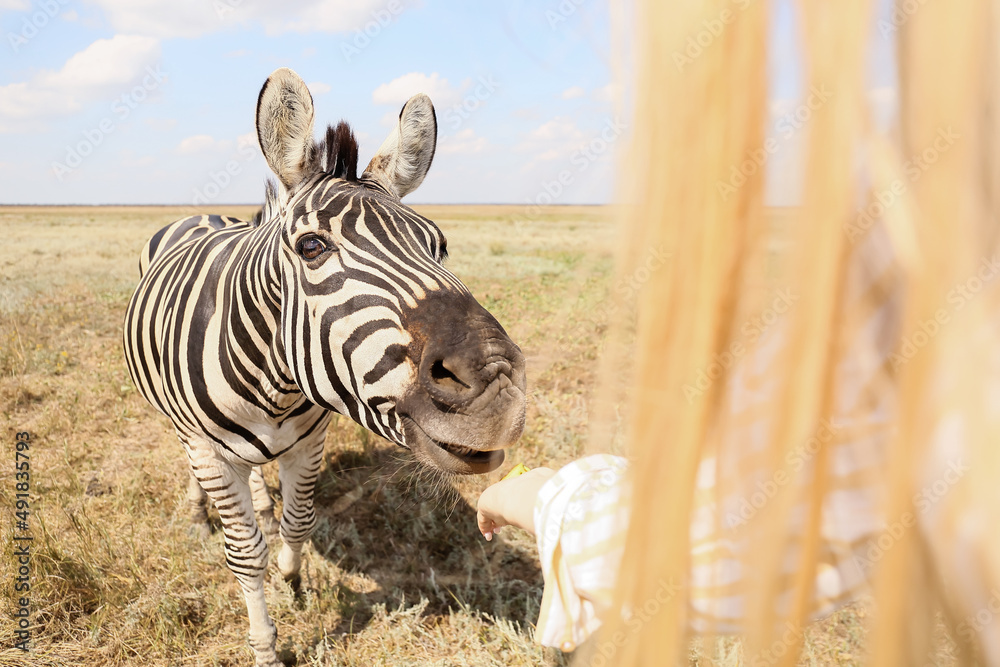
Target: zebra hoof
x,y
272,659
268,661
267,524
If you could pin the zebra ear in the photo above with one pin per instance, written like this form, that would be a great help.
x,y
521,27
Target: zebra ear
x,y
285,125
405,156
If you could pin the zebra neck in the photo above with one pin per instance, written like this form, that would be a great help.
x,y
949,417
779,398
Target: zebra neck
x,y
255,355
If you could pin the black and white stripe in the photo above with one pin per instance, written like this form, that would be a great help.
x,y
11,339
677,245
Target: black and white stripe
x,y
248,335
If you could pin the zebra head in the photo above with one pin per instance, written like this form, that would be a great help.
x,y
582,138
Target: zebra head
x,y
373,325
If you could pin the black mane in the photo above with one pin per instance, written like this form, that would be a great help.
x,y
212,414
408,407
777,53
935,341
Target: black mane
x,y
337,154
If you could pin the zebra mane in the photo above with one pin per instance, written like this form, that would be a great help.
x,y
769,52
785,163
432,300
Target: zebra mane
x,y
336,155
270,207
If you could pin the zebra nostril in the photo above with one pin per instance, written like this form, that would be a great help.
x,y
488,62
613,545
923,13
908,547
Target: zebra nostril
x,y
444,378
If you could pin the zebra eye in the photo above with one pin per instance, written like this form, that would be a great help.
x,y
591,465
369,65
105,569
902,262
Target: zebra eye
x,y
310,247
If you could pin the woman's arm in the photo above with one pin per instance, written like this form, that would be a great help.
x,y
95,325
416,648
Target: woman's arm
x,y
511,502
579,516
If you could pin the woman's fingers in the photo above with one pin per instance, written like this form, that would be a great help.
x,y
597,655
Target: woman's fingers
x,y
487,524
511,502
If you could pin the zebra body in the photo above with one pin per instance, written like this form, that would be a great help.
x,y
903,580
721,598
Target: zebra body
x,y
249,335
194,267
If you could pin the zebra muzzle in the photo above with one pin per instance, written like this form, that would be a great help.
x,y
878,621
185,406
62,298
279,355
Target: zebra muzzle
x,y
451,457
467,401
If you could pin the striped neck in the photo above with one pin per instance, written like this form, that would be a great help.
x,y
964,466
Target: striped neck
x,y
252,316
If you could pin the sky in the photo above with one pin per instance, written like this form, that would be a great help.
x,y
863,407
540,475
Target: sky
x,y
152,101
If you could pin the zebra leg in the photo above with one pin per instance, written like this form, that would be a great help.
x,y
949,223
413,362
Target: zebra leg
x,y
228,485
298,471
198,501
263,505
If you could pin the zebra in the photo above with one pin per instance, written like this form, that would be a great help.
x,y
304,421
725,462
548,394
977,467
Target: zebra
x,y
250,335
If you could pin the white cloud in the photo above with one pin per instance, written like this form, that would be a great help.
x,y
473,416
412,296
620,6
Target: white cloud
x,y
128,158
609,93
20,101
15,5
202,143
318,88
573,93
322,15
107,63
400,89
465,141
554,141
205,143
160,124
105,70
248,139
559,130
69,15
331,16
167,18
238,53
192,18
389,119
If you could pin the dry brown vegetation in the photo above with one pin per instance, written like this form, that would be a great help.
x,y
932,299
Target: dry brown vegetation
x,y
395,574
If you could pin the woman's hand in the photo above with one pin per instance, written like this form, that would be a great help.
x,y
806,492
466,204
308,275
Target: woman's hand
x,y
511,502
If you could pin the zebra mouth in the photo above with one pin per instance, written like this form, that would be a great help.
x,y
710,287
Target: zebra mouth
x,y
466,453
449,456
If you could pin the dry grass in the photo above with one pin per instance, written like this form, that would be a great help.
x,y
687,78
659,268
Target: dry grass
x,y
399,576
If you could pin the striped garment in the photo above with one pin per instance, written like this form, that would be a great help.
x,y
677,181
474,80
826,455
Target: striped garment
x,y
580,518
581,515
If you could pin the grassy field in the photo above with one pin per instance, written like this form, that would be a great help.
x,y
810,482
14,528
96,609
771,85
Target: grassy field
x,y
396,573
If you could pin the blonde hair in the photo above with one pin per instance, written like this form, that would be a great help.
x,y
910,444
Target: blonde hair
x,y
698,114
